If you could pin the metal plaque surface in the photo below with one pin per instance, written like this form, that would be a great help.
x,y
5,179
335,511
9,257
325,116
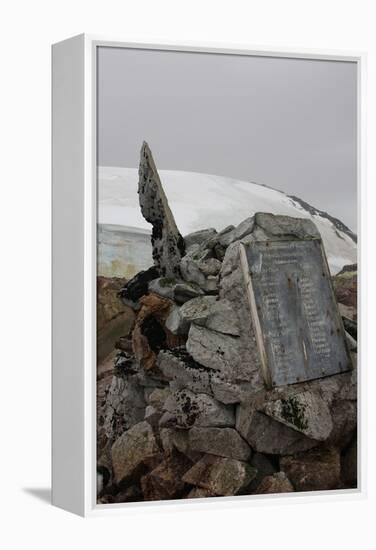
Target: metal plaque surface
x,y
298,327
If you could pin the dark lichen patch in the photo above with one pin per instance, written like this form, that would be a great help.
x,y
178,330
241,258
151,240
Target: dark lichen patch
x,y
189,408
187,359
293,412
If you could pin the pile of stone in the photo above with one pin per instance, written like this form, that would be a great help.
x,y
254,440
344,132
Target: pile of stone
x,y
187,412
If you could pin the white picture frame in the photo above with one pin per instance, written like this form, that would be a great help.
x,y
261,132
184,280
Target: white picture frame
x,y
74,169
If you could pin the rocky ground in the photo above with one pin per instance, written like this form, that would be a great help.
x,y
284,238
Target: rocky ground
x,y
183,410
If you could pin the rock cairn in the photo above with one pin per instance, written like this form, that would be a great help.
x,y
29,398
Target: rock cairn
x,y
186,413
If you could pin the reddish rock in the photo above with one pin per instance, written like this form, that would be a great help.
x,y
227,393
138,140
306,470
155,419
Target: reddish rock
x,y
114,319
221,476
165,481
200,492
134,449
276,483
150,334
315,470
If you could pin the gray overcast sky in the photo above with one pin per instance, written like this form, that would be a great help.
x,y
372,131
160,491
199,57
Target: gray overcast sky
x,y
287,123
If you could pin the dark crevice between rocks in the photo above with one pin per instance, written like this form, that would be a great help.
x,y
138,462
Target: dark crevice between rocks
x,y
155,334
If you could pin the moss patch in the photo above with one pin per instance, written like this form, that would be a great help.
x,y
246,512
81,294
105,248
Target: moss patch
x,y
293,412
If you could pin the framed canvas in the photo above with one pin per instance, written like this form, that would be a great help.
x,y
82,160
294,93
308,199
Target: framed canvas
x,y
206,283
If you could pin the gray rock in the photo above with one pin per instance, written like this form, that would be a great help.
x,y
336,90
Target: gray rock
x,y
222,318
320,410
214,350
210,267
186,291
211,285
305,412
237,233
339,392
275,226
207,311
197,310
199,237
135,448
199,266
157,397
189,268
163,287
221,476
225,230
228,392
123,406
175,289
266,435
175,322
190,409
224,442
183,372
168,244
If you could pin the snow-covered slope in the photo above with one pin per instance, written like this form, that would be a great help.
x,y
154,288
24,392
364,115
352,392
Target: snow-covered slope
x,y
201,200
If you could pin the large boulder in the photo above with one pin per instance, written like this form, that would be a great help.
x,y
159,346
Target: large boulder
x,y
134,450
165,481
297,417
189,409
168,244
183,372
275,483
209,312
224,442
306,412
123,406
214,350
220,476
315,470
266,435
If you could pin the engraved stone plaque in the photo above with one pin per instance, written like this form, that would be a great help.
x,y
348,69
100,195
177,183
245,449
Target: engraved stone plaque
x,y
298,328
